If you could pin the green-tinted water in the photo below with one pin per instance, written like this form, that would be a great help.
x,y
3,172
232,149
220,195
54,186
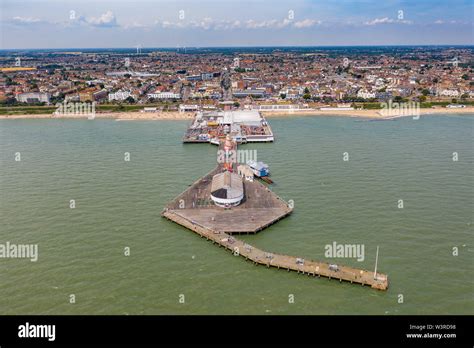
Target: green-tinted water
x,y
81,250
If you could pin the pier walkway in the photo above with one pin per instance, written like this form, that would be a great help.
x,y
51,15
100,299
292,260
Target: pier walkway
x,y
280,261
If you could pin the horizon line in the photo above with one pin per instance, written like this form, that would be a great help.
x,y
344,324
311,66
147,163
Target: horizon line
x,y
237,46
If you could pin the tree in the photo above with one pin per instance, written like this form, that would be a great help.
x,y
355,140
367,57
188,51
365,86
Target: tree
x,y
283,96
306,90
422,99
425,92
306,96
465,77
130,100
10,82
10,101
398,99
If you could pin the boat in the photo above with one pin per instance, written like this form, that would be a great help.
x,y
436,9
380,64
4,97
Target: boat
x,y
260,169
214,141
266,179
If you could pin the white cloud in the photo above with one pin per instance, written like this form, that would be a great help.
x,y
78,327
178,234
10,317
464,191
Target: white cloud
x,y
211,24
226,25
105,20
457,22
26,20
173,25
386,20
205,23
306,23
267,24
379,21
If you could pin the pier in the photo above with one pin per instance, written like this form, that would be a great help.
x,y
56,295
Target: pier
x,y
245,126
259,208
280,261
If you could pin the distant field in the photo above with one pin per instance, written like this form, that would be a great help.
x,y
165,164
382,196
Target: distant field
x,y
26,110
32,110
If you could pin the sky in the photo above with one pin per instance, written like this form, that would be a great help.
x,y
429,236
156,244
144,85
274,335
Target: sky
x,y
224,23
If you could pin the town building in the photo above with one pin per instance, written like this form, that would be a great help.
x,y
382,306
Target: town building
x,y
33,97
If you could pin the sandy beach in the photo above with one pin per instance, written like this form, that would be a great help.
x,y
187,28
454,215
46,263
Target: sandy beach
x,y
122,116
174,115
376,114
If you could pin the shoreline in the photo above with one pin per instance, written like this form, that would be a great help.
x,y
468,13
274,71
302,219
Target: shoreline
x,y
122,116
372,114
175,115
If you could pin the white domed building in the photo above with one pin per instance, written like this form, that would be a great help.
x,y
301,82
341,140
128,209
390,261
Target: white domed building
x,y
227,189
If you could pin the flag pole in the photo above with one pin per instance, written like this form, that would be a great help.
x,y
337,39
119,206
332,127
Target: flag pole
x,y
376,261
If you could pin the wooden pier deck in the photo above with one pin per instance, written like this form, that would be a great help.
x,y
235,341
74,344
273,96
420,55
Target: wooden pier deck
x,y
280,261
260,208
